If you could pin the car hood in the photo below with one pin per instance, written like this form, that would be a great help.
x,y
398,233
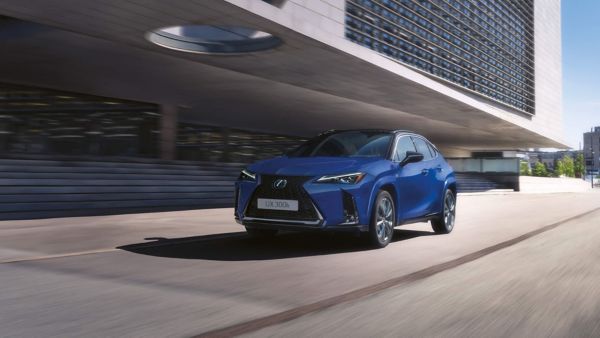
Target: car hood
x,y
313,166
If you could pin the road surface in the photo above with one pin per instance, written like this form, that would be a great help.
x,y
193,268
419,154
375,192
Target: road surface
x,y
516,264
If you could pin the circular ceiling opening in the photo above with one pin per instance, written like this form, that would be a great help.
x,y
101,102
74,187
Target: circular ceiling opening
x,y
211,39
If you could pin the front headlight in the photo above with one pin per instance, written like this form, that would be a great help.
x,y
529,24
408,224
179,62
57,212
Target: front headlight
x,y
247,175
342,179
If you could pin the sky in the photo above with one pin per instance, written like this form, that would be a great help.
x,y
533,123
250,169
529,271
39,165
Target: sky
x,y
581,68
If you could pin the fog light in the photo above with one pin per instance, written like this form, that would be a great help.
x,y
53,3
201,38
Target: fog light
x,y
350,211
350,219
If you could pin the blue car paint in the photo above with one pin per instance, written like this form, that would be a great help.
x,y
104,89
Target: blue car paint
x,y
418,187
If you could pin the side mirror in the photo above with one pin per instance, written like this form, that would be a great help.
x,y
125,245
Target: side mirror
x,y
411,157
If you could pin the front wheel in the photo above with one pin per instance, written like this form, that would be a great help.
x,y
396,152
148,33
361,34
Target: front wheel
x,y
383,219
445,223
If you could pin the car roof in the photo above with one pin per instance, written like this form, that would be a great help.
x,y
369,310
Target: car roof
x,y
395,131
391,131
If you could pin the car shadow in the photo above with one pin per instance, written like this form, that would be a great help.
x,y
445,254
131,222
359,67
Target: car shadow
x,y
240,247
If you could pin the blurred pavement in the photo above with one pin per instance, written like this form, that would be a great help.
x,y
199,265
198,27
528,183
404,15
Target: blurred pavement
x,y
189,272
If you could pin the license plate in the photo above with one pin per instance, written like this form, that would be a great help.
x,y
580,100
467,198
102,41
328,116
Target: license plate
x,y
272,204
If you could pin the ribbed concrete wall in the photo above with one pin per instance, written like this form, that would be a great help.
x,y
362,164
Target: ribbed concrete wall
x,y
50,188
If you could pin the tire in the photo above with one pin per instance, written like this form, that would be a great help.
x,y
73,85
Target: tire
x,y
261,233
383,220
445,223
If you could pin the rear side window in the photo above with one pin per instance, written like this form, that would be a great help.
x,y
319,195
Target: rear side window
x,y
434,152
404,144
422,148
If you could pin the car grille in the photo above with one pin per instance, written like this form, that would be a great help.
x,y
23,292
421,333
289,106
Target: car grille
x,y
292,191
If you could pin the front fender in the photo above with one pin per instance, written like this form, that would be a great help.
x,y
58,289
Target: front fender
x,y
387,180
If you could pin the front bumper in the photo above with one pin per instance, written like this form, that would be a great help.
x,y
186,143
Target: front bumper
x,y
336,207
284,225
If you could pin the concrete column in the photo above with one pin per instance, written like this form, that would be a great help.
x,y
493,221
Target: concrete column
x,y
168,132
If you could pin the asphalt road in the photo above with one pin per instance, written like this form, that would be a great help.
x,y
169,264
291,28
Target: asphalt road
x,y
188,273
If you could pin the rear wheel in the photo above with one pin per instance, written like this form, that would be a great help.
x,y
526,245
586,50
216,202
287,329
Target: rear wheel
x,y
445,223
383,219
261,233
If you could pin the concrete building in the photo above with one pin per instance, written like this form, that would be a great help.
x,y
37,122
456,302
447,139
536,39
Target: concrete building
x,y
237,80
591,149
470,75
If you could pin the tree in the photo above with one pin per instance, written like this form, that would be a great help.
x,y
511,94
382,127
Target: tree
x,y
579,166
539,169
559,168
569,166
524,168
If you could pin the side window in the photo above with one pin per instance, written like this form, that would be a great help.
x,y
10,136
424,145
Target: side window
x,y
422,148
434,152
404,144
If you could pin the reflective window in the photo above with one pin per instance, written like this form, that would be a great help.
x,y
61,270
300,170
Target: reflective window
x,y
404,144
42,121
38,121
422,148
432,149
346,143
485,46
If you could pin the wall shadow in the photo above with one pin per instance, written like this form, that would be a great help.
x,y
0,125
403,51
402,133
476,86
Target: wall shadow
x,y
240,247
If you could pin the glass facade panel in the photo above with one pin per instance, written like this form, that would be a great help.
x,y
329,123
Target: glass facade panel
x,y
38,121
485,46
49,122
205,143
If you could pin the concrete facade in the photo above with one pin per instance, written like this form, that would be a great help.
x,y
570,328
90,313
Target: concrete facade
x,y
548,69
316,80
323,20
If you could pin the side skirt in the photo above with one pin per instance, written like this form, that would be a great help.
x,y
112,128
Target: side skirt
x,y
425,218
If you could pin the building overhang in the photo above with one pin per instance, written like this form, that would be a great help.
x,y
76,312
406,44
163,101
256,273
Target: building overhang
x,y
303,86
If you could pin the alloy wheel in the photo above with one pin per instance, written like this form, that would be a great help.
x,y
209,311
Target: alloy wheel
x,y
449,210
384,220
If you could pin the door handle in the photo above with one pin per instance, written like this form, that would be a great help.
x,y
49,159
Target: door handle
x,y
425,172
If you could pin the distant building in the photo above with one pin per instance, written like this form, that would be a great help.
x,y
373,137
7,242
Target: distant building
x,y
548,158
591,149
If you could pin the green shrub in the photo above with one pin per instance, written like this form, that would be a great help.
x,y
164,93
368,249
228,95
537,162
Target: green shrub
x,y
539,169
524,169
579,166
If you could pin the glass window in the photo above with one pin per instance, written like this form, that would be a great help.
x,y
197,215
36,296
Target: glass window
x,y
404,144
422,148
432,150
346,144
495,41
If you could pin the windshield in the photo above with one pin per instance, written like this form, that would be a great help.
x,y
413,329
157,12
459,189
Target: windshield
x,y
345,144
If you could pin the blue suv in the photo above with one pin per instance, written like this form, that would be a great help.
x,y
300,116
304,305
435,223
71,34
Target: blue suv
x,y
366,181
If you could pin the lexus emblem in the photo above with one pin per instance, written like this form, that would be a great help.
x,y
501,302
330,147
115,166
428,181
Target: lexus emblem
x,y
279,184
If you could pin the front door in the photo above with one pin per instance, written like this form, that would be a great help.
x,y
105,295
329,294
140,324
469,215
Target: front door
x,y
431,182
412,181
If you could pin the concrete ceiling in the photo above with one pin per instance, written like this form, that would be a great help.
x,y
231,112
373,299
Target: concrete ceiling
x,y
299,88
